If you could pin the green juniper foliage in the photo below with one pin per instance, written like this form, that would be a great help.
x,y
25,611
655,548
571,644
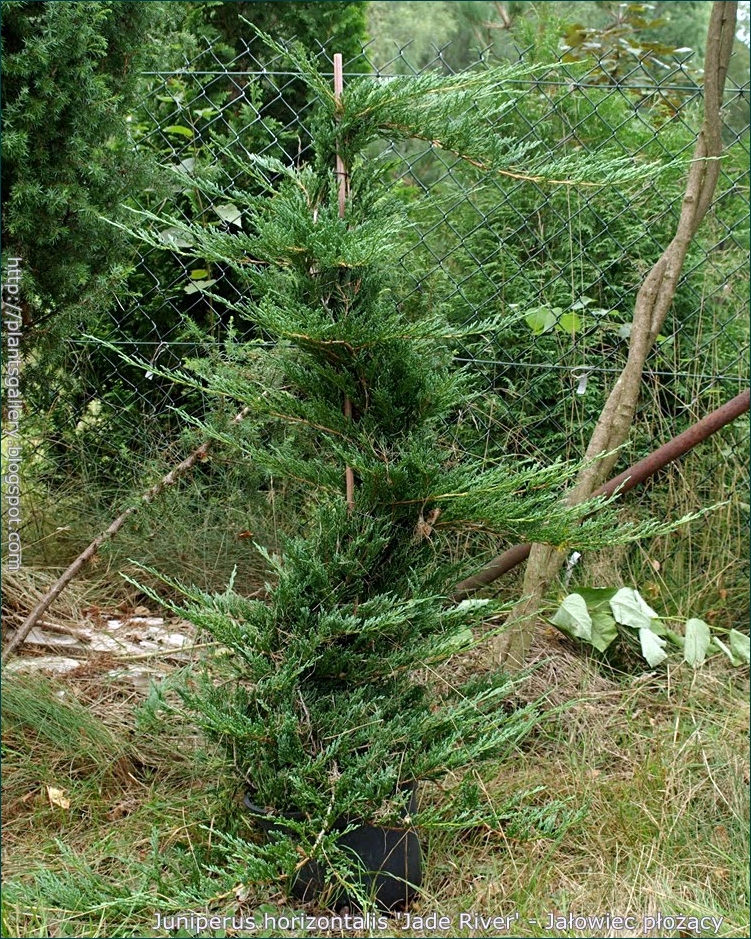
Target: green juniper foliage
x,y
70,72
327,694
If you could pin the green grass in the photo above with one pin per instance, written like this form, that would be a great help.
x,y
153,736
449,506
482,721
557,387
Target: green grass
x,y
154,824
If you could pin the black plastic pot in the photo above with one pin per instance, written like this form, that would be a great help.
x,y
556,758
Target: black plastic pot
x,y
390,858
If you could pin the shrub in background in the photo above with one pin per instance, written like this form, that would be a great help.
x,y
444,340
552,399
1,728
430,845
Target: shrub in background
x,y
91,122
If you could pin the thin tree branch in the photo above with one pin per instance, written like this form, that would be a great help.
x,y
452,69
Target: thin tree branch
x,y
77,566
628,479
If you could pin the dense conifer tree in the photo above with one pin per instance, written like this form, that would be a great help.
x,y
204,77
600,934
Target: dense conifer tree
x,y
71,71
326,696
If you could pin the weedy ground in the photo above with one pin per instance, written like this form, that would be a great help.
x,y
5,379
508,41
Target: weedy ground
x,y
114,813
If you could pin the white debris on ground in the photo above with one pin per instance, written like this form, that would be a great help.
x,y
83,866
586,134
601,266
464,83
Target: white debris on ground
x,y
137,634
59,664
156,644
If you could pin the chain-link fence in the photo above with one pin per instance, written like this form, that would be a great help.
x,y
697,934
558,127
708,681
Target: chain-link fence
x,y
567,260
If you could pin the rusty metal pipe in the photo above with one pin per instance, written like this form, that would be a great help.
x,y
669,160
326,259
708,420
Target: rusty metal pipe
x,y
629,478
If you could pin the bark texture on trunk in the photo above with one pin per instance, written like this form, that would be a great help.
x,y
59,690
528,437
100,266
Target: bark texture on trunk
x,y
650,309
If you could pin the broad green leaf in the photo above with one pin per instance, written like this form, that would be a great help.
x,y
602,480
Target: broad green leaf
x,y
697,642
176,238
735,660
178,129
199,285
657,628
740,645
228,212
597,598
630,609
540,320
573,617
569,323
604,630
199,274
652,647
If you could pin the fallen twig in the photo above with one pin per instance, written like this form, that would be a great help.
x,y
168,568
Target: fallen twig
x,y
75,568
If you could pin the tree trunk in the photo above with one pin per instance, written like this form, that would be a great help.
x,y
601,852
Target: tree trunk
x,y
652,304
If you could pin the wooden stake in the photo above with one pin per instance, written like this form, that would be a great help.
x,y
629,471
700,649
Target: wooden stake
x,y
341,169
342,176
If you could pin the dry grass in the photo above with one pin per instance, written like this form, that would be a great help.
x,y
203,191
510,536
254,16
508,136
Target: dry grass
x,y
23,589
661,765
83,598
657,763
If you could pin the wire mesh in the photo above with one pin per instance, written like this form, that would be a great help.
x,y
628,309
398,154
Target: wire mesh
x,y
567,261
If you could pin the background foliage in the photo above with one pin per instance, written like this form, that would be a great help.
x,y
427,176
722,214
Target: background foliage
x,y
567,260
